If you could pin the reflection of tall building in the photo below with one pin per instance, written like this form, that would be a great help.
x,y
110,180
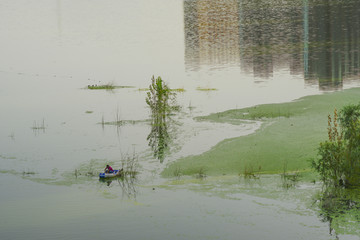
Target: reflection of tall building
x,y
257,35
270,37
316,38
211,32
334,37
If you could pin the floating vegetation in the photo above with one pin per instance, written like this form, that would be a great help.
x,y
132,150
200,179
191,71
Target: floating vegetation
x,y
120,122
89,112
206,89
143,89
109,86
124,122
28,172
88,173
179,90
6,157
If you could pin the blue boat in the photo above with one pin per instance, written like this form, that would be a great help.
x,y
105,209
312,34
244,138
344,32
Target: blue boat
x,y
115,173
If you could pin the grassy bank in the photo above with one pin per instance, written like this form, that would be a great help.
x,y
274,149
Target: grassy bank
x,y
289,137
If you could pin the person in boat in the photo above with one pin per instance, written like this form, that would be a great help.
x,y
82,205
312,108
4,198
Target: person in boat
x,y
109,169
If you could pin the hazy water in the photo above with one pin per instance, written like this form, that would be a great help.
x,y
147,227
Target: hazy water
x,y
250,53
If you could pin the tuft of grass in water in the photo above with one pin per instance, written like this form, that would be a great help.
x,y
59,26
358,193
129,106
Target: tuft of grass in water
x,y
289,180
109,86
38,127
250,173
206,89
130,164
177,172
201,173
89,112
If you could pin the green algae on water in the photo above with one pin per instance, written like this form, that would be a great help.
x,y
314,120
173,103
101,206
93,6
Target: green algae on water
x,y
291,134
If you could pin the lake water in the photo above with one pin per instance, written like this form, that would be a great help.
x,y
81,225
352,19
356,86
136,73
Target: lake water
x,y
225,54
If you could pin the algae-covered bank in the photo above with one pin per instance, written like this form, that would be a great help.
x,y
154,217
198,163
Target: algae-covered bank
x,y
287,140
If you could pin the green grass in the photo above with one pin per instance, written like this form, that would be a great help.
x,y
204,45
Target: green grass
x,y
290,135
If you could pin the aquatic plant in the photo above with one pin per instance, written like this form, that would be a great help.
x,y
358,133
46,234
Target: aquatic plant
x,y
249,172
201,173
28,172
338,161
109,86
161,101
128,186
37,126
177,172
130,164
289,179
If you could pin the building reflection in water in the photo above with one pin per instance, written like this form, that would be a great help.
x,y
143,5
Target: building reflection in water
x,y
211,33
334,42
318,40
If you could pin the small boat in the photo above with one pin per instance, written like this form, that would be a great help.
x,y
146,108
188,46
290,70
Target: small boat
x,y
115,173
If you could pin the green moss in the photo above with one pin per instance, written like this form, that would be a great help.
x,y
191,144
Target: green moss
x,y
291,134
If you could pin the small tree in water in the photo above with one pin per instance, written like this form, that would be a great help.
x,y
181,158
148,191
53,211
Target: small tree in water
x,y
161,102
339,157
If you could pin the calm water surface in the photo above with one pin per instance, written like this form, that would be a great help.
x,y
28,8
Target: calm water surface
x,y
226,54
